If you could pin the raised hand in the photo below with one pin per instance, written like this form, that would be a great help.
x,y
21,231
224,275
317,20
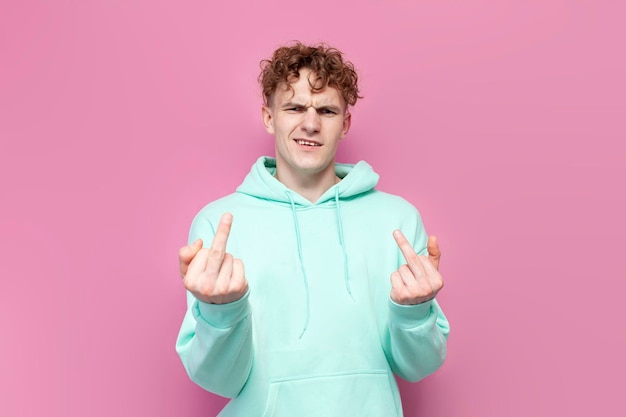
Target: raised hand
x,y
212,275
418,280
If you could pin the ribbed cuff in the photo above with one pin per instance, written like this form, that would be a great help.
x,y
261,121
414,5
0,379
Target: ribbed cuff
x,y
222,316
408,316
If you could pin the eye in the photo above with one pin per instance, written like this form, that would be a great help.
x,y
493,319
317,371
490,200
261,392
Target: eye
x,y
327,112
295,109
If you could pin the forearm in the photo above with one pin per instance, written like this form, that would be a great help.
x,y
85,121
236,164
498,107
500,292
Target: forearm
x,y
415,340
215,345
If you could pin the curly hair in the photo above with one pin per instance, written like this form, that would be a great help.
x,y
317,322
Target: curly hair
x,y
326,62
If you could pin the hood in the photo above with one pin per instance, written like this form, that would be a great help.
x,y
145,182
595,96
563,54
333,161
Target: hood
x,y
261,183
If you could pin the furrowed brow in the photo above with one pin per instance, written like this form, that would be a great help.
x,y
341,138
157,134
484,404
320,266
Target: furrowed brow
x,y
330,107
291,104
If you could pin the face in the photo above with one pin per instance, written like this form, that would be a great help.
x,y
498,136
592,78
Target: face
x,y
307,127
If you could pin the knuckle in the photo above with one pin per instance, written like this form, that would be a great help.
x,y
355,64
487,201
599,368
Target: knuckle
x,y
205,289
440,284
403,298
405,293
436,278
239,264
216,253
420,290
221,287
189,279
239,287
206,285
187,284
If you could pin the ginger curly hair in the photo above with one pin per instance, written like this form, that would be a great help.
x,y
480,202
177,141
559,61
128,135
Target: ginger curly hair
x,y
324,61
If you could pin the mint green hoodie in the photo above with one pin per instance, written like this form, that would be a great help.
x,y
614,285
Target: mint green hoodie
x,y
316,334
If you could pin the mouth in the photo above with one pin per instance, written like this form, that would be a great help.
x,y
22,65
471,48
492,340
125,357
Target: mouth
x,y
307,143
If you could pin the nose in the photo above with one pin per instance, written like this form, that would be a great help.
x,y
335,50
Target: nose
x,y
311,120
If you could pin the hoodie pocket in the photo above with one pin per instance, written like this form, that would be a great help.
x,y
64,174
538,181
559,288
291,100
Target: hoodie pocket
x,y
363,394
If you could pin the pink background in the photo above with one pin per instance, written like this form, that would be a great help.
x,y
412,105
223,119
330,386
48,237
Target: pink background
x,y
502,121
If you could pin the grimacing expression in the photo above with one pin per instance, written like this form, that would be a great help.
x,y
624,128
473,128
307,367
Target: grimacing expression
x,y
307,126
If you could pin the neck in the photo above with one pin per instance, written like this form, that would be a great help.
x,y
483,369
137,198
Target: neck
x,y
310,186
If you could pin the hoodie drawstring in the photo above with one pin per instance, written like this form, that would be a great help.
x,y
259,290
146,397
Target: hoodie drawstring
x,y
346,275
300,257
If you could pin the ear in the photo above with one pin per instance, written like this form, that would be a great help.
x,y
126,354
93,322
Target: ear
x,y
268,119
347,120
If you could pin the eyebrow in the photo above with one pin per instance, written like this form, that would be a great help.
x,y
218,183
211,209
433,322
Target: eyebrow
x,y
331,107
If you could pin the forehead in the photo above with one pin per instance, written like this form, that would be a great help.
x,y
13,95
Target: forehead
x,y
300,91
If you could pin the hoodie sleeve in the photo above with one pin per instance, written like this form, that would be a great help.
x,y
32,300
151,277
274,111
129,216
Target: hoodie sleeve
x,y
416,335
215,340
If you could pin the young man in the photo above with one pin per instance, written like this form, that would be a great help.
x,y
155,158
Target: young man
x,y
328,307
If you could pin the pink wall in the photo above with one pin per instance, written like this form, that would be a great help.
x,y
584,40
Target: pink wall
x,y
502,121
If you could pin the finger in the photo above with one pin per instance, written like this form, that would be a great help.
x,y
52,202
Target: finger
x,y
404,245
223,279
419,271
197,265
434,253
396,280
409,254
188,251
397,286
408,277
186,254
196,245
434,277
222,232
238,280
218,246
429,267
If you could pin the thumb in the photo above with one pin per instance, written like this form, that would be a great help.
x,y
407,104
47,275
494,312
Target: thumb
x,y
186,254
434,253
196,245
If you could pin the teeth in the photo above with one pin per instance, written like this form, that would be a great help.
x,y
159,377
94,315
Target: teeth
x,y
307,143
